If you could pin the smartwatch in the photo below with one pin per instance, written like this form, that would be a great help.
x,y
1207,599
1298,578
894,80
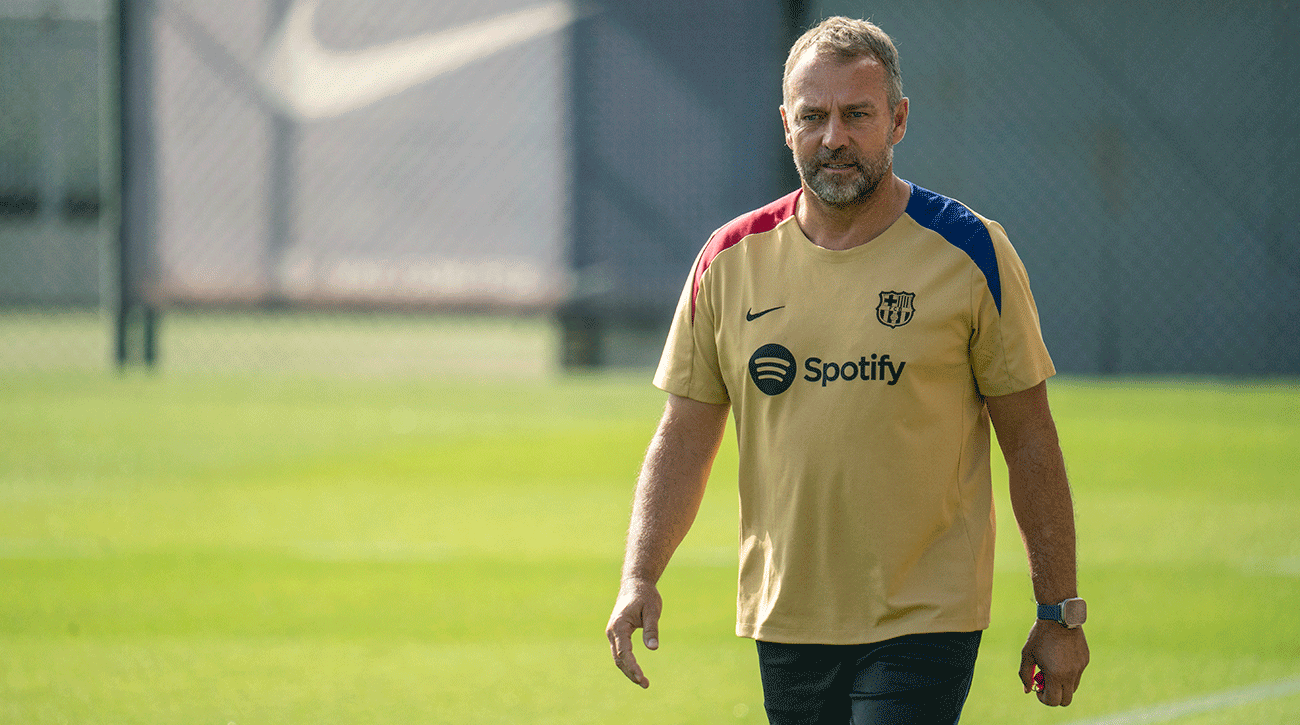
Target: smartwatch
x,y
1069,614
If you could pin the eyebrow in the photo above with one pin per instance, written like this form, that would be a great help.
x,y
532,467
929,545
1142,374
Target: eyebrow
x,y
865,104
859,106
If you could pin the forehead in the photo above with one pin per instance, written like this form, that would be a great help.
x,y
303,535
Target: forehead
x,y
821,79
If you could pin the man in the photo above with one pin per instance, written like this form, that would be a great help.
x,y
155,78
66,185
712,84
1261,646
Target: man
x,y
865,331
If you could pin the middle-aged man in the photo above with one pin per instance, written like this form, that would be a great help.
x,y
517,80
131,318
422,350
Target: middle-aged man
x,y
865,331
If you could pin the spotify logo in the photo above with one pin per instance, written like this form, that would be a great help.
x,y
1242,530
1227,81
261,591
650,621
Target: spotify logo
x,y
772,368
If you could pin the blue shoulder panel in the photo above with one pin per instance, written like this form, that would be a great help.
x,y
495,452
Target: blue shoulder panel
x,y
957,224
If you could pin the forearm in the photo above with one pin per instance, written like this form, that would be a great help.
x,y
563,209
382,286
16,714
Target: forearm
x,y
1040,493
1040,497
671,485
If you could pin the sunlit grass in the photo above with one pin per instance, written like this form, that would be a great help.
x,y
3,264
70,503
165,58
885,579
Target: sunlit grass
x,y
298,548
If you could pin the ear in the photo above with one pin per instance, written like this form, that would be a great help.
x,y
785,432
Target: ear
x,y
900,122
785,124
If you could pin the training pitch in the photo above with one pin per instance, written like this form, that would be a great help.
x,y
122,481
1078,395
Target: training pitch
x,y
243,546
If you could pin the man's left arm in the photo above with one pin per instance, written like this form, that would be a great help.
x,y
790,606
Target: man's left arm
x,y
1040,497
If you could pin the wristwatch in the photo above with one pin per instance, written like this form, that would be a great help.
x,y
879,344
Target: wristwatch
x,y
1069,614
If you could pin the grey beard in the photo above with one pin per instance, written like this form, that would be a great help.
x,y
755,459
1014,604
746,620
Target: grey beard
x,y
848,193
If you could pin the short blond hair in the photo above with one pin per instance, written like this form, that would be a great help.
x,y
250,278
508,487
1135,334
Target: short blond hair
x,y
847,39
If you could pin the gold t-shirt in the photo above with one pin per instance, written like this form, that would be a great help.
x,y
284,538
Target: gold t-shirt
x,y
856,379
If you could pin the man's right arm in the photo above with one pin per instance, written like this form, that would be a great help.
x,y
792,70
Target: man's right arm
x,y
668,495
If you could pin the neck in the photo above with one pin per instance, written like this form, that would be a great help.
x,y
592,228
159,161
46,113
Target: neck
x,y
845,227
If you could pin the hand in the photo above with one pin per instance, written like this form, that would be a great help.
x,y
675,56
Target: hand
x,y
639,606
1061,654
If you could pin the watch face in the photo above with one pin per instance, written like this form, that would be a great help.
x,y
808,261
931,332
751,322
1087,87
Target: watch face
x,y
1074,612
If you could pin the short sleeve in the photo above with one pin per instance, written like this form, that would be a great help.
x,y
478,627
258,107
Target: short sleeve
x,y
689,365
1007,352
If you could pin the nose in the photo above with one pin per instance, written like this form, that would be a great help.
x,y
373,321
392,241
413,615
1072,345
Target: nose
x,y
835,135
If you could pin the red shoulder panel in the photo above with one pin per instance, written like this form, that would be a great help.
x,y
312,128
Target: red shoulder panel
x,y
758,221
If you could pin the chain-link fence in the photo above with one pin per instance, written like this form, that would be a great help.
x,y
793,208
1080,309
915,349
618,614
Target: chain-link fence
x,y
1143,157
50,238
389,153
299,155
533,156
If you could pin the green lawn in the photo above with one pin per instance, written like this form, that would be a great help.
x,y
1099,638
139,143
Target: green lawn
x,y
214,547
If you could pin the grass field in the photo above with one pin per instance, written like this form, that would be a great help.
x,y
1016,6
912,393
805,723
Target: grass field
x,y
230,546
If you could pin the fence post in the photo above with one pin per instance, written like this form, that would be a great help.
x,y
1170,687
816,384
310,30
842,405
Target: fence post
x,y
135,192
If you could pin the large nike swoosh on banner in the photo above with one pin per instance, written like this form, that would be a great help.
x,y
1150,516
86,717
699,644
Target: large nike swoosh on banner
x,y
309,81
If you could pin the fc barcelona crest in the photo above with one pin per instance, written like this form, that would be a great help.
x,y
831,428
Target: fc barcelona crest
x,y
896,308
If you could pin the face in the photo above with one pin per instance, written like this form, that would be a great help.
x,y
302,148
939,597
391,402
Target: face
x,y
840,128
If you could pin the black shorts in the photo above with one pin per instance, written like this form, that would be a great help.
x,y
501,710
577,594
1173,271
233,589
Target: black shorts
x,y
919,678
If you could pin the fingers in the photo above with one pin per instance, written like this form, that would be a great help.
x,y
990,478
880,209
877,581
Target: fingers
x,y
1059,656
1067,695
1054,690
620,644
650,626
1027,672
1055,693
1051,692
638,607
1046,687
1068,683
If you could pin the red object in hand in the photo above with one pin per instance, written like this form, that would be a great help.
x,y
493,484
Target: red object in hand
x,y
1038,681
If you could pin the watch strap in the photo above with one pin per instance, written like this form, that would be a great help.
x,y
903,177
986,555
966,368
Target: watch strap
x,y
1050,612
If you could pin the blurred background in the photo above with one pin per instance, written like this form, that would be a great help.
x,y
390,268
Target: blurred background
x,y
374,248
193,183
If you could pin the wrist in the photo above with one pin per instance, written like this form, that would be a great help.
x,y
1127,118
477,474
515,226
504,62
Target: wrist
x,y
634,582
1069,613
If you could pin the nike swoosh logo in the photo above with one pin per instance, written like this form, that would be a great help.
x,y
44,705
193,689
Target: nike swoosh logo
x,y
308,81
750,315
